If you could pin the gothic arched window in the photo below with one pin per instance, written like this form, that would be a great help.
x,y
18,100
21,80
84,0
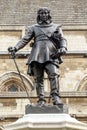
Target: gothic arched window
x,y
13,88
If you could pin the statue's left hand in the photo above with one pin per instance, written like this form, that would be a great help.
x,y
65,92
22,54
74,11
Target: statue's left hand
x,y
58,53
62,51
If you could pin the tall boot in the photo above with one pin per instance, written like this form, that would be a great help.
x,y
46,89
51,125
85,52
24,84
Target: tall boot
x,y
40,92
56,99
55,91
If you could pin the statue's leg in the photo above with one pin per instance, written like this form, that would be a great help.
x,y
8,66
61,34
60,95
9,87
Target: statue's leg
x,y
53,74
39,74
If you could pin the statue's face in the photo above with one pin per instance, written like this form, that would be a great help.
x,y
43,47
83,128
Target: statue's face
x,y
43,15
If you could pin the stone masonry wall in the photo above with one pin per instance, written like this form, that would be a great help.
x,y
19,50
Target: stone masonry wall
x,y
24,11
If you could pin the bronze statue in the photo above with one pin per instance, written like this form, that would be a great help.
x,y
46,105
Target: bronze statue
x,y
49,45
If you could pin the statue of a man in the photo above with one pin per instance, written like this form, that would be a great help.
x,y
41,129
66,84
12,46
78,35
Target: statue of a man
x,y
49,45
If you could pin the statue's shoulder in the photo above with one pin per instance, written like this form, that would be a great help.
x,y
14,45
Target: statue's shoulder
x,y
30,27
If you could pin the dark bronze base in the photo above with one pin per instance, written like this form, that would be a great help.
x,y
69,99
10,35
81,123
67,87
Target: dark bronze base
x,y
36,109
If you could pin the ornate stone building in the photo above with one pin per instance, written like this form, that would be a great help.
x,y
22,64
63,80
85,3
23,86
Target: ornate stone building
x,y
14,17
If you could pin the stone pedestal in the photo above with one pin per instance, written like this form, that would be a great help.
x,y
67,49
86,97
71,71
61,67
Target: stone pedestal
x,y
46,117
46,122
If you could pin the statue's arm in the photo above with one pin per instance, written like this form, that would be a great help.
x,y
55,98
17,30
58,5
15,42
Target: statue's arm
x,y
25,40
61,44
63,41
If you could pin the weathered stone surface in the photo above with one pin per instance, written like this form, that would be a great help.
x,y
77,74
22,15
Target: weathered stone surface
x,y
36,109
46,122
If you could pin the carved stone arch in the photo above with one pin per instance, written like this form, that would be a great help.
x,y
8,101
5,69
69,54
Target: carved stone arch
x,y
82,86
11,77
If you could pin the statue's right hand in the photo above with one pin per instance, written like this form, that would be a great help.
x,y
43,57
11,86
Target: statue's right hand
x,y
12,49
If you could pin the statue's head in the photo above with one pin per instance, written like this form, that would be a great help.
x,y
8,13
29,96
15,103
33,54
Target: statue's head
x,y
43,15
